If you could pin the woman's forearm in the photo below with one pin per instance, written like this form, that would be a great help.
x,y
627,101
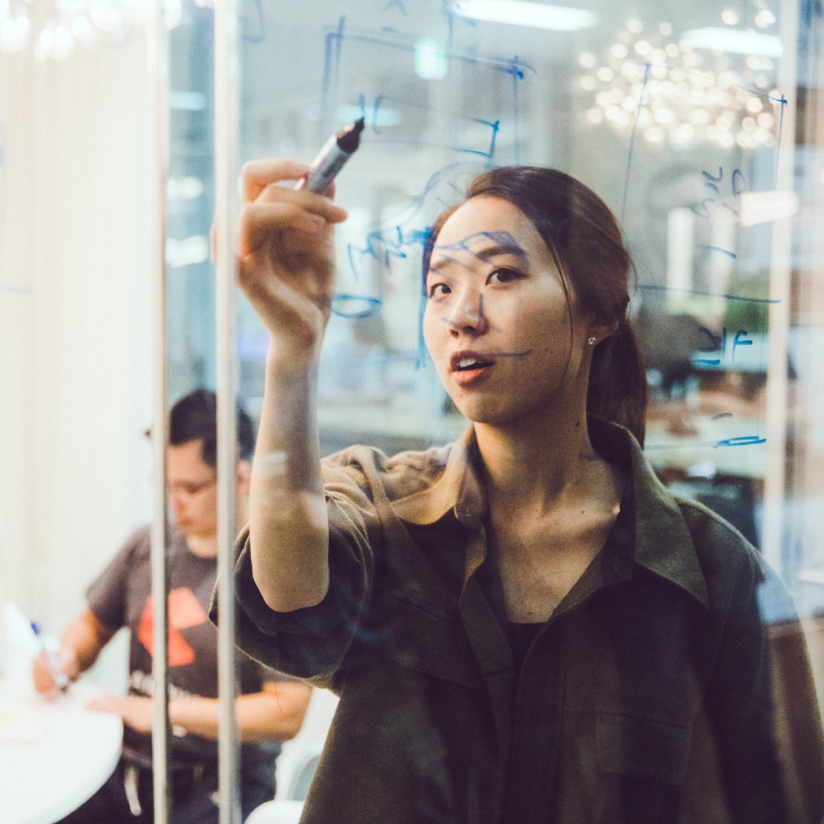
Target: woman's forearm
x,y
288,527
286,268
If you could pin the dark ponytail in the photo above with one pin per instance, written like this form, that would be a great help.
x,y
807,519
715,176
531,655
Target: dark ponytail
x,y
617,387
585,242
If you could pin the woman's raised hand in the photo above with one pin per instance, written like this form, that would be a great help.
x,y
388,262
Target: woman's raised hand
x,y
286,257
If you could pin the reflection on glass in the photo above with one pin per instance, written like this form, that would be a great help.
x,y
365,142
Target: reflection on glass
x,y
683,126
697,125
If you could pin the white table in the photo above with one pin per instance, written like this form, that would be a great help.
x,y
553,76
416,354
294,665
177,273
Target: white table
x,y
53,756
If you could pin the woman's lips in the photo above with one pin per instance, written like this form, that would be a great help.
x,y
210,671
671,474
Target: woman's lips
x,y
469,367
465,377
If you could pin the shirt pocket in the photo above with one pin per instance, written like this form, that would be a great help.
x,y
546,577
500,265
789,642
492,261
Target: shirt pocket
x,y
642,747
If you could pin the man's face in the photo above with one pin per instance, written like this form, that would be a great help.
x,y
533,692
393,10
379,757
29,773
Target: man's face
x,y
192,490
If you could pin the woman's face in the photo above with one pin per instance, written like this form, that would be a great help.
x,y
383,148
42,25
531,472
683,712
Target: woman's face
x,y
497,322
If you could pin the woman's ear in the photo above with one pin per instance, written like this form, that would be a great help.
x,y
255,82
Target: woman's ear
x,y
600,331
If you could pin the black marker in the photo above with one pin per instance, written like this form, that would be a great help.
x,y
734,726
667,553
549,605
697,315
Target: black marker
x,y
332,156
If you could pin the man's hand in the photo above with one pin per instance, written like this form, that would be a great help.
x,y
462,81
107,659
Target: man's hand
x,y
79,647
41,671
137,712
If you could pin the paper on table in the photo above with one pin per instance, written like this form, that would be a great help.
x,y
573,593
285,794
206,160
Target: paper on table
x,y
23,728
21,646
20,637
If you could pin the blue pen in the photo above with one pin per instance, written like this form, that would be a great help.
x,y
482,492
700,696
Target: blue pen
x,y
60,678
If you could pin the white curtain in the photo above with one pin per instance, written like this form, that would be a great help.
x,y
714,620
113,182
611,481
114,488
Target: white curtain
x,y
75,324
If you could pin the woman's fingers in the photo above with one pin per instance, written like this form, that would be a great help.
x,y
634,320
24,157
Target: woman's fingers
x,y
317,204
272,212
256,175
259,220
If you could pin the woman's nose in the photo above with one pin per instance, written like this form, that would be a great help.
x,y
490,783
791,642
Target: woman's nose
x,y
467,315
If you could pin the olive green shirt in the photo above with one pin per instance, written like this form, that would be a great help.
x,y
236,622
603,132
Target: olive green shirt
x,y
646,697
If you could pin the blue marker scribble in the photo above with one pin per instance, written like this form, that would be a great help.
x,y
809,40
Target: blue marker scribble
x,y
783,102
746,440
331,64
717,81
711,181
517,75
381,99
717,249
398,236
375,109
407,42
739,340
374,305
739,184
503,240
632,141
253,30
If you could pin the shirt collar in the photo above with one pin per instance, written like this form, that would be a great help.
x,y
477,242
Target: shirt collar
x,y
458,488
663,544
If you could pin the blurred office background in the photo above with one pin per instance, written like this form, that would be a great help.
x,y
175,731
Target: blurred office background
x,y
698,123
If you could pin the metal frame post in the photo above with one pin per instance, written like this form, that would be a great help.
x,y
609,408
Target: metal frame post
x,y
158,73
226,153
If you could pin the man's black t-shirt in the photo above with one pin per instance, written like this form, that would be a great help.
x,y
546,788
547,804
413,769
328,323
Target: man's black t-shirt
x,y
121,596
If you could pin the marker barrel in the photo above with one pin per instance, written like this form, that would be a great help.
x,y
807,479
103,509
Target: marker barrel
x,y
331,158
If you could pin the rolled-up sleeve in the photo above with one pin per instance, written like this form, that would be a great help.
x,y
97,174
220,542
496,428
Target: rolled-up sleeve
x,y
311,643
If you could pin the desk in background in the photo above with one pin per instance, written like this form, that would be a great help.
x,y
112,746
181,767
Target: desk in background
x,y
53,755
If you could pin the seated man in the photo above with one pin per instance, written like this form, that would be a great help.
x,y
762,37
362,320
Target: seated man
x,y
270,706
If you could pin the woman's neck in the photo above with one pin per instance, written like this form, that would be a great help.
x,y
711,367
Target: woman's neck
x,y
539,463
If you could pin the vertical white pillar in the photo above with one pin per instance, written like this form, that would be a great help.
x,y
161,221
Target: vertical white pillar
x,y
680,245
226,153
779,318
158,71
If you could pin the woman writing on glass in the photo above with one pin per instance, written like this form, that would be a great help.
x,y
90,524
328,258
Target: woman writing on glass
x,y
523,626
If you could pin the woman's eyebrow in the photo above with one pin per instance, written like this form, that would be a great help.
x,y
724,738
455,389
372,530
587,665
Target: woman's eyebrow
x,y
484,255
498,251
443,263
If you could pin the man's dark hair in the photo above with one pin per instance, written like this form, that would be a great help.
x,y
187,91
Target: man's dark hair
x,y
194,417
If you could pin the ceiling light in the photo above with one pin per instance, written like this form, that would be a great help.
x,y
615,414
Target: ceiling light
x,y
431,62
735,41
764,18
521,13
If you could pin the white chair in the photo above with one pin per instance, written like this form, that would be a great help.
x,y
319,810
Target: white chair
x,y
276,812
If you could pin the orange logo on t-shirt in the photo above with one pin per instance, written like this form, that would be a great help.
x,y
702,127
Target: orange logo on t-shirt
x,y
184,612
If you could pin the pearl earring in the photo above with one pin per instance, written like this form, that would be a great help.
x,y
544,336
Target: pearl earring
x,y
592,341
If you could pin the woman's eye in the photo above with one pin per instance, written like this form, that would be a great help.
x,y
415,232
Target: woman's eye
x,y
504,275
438,290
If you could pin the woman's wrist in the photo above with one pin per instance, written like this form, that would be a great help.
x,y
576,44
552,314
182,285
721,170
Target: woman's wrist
x,y
288,362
